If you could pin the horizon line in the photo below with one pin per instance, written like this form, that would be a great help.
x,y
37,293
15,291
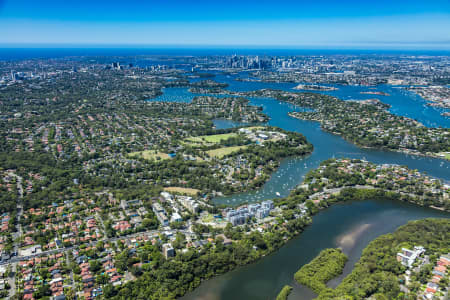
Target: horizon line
x,y
406,46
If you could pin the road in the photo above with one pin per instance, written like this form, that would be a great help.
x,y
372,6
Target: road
x,y
369,187
16,235
72,282
16,259
338,190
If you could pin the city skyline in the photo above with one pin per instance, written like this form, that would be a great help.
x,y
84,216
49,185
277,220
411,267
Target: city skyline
x,y
325,24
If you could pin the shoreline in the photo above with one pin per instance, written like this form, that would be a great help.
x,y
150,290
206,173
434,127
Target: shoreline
x,y
375,93
315,87
258,187
368,147
310,222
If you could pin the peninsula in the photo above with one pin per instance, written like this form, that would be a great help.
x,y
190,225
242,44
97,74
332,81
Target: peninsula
x,y
365,125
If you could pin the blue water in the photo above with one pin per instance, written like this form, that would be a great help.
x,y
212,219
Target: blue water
x,y
9,52
262,280
337,226
326,145
341,222
403,103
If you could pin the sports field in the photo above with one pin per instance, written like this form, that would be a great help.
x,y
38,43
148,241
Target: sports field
x,y
221,152
150,154
211,139
182,190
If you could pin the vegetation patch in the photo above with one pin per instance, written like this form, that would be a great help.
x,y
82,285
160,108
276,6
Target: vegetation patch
x,y
214,139
377,274
327,265
221,152
182,190
150,155
284,293
209,218
445,155
367,124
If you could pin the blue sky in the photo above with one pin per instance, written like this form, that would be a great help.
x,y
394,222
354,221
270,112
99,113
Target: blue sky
x,y
279,23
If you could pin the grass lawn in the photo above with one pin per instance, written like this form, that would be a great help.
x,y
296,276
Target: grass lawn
x,y
446,155
182,190
214,139
221,152
208,218
150,154
194,140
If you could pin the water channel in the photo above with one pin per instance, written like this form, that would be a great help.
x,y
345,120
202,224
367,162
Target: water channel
x,y
351,225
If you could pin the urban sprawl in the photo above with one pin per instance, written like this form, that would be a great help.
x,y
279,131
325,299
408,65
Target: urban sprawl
x,y
106,191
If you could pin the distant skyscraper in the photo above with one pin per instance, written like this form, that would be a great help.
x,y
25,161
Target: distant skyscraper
x,y
116,65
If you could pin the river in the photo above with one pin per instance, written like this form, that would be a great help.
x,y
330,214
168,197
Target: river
x,y
350,226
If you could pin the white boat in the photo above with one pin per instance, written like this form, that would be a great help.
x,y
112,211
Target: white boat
x,y
278,194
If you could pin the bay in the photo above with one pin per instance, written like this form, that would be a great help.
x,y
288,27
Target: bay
x,y
349,225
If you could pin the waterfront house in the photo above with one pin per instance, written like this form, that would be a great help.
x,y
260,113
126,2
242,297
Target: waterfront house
x,y
408,257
